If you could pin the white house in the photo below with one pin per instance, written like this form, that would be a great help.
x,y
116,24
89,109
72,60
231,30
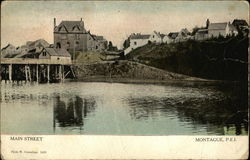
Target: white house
x,y
183,35
155,37
55,54
167,39
201,34
137,40
223,29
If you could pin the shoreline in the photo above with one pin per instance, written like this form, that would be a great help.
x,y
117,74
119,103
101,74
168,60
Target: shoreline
x,y
184,82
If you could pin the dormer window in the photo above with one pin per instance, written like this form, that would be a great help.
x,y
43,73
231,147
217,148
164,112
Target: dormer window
x,y
44,53
75,28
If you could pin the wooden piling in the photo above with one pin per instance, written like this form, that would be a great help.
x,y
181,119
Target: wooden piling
x,y
26,72
5,73
72,71
10,72
37,73
29,73
60,72
56,72
48,70
63,73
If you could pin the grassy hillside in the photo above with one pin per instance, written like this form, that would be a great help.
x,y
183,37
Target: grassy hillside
x,y
126,69
88,57
217,58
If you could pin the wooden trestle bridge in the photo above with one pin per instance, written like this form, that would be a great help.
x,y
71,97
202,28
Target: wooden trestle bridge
x,y
40,70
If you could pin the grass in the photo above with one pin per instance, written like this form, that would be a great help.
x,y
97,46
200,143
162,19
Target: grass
x,y
89,57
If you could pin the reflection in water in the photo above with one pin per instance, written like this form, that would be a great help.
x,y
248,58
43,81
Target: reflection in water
x,y
123,109
198,111
72,112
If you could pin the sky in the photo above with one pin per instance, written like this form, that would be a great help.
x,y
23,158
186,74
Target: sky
x,y
23,21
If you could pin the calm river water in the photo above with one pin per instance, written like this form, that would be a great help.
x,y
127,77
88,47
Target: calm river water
x,y
116,108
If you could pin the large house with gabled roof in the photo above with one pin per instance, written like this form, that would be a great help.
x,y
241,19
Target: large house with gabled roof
x,y
72,36
223,29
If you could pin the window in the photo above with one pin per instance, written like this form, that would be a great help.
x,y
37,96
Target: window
x,y
96,47
153,36
44,53
58,45
76,44
135,43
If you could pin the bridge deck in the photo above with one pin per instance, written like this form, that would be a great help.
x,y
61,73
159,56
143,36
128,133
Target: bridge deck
x,y
34,61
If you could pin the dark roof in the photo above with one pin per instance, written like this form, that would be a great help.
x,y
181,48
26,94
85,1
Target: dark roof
x,y
162,35
139,36
57,52
239,22
173,34
217,26
9,46
71,26
185,31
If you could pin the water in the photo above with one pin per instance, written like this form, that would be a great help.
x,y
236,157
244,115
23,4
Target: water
x,y
118,109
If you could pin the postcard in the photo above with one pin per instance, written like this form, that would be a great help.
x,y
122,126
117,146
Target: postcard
x,y
124,79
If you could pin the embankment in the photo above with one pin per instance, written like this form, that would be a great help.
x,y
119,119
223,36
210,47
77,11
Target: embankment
x,y
126,71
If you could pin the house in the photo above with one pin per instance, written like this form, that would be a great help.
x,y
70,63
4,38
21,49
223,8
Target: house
x,y
155,37
183,35
37,45
32,49
55,54
167,39
72,36
100,43
173,35
8,51
137,40
223,29
201,34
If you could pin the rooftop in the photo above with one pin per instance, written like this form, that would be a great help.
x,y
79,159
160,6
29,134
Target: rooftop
x,y
139,36
70,26
217,26
57,52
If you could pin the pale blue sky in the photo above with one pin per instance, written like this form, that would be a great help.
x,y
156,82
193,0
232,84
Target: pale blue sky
x,y
28,20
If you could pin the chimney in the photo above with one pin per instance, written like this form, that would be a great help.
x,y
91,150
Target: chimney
x,y
54,22
81,19
207,23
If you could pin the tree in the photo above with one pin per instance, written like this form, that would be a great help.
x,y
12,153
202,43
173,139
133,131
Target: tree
x,y
126,43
